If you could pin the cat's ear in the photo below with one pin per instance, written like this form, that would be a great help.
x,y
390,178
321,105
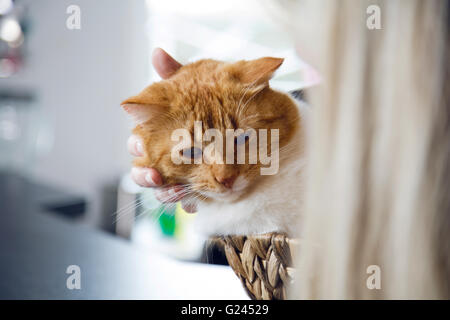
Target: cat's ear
x,y
142,113
141,109
148,104
255,72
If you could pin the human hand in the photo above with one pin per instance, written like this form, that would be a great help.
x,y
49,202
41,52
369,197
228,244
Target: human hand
x,y
165,66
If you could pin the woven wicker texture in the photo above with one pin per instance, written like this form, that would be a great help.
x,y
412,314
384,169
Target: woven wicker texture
x,y
262,262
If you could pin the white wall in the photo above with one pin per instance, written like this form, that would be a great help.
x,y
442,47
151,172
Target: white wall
x,y
80,77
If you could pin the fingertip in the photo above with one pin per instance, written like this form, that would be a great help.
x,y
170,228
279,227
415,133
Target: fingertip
x,y
134,145
146,177
138,176
169,194
153,177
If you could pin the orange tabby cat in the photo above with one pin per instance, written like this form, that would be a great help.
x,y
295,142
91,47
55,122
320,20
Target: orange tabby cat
x,y
234,198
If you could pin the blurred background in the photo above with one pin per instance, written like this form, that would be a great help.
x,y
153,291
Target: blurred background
x,y
62,131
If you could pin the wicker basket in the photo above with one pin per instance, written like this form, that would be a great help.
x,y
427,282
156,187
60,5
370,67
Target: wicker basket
x,y
262,262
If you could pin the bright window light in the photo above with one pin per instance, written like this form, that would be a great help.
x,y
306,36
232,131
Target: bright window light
x,y
231,30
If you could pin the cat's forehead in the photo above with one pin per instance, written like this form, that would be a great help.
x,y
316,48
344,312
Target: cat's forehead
x,y
213,107
209,118
202,69
204,98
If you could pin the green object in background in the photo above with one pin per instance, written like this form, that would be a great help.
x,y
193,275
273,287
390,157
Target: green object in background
x,y
167,221
165,215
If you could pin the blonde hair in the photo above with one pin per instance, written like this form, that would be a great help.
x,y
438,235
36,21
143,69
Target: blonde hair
x,y
378,176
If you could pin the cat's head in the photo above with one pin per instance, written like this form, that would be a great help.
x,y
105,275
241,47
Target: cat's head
x,y
215,95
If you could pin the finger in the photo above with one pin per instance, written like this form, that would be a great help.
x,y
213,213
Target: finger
x,y
164,64
135,146
146,177
170,194
189,207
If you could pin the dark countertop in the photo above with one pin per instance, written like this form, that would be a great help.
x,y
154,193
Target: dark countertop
x,y
36,248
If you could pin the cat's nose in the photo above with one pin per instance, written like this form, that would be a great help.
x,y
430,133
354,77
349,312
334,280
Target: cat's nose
x,y
227,181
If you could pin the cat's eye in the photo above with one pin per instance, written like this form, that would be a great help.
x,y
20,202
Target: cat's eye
x,y
242,139
192,153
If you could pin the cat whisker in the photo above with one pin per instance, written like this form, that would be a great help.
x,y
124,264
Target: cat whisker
x,y
242,110
126,206
127,212
246,89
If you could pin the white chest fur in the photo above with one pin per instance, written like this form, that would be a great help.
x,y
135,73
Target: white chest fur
x,y
274,206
